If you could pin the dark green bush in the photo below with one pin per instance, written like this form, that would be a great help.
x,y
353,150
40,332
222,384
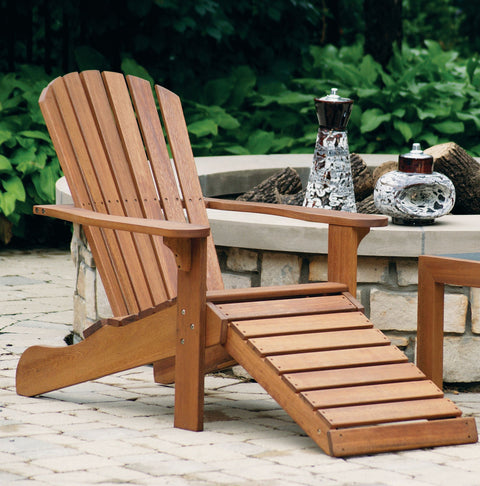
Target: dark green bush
x,y
425,94
28,165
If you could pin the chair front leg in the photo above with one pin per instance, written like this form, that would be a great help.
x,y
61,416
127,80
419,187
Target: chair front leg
x,y
190,347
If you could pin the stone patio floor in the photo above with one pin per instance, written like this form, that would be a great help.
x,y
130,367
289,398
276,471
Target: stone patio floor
x,y
118,430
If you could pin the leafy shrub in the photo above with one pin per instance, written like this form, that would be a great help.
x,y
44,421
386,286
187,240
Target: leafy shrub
x,y
439,20
425,94
28,165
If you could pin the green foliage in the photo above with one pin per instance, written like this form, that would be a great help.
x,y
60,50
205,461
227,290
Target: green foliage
x,y
28,165
439,20
425,94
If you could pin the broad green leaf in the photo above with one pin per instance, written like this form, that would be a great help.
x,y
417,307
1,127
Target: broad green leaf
x,y
202,128
222,118
264,100
352,53
387,79
373,118
214,32
14,185
31,162
26,143
404,129
472,65
281,143
424,114
8,83
356,116
449,127
260,142
7,203
218,91
346,72
433,47
440,110
368,93
244,81
399,112
430,138
470,116
5,135
44,182
416,127
322,54
202,146
292,98
21,156
226,121
37,134
5,165
451,88
237,150
12,103
368,70
183,24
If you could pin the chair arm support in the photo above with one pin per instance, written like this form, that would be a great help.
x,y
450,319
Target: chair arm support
x,y
345,232
342,258
317,215
168,229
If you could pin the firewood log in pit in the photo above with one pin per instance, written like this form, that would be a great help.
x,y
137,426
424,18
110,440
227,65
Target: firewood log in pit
x,y
284,182
285,186
464,172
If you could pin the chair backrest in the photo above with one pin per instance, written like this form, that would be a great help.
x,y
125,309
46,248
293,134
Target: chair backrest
x,y
112,149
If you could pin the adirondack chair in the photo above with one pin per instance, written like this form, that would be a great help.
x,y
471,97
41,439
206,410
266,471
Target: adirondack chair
x,y
310,346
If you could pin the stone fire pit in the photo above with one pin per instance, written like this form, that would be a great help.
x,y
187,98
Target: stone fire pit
x,y
262,250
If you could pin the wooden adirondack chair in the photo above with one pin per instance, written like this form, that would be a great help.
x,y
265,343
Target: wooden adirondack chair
x,y
310,346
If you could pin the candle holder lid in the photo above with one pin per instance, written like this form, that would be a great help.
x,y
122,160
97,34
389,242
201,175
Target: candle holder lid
x,y
333,111
415,161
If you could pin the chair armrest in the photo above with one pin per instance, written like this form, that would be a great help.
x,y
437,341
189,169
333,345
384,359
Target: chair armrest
x,y
168,229
317,215
345,232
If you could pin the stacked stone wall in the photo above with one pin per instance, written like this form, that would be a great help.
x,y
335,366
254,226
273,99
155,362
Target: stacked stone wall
x,y
387,287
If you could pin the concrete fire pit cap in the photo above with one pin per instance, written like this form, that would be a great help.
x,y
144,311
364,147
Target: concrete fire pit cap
x,y
237,174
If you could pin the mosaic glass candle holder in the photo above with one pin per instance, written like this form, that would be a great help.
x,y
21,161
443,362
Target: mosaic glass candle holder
x,y
414,194
330,183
